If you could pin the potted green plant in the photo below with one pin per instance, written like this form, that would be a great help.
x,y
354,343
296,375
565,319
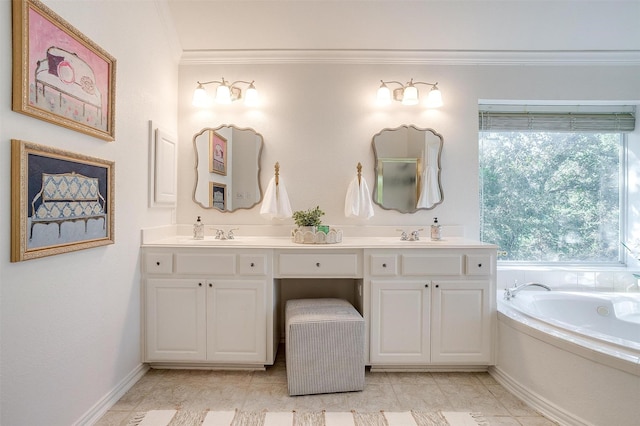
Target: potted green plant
x,y
308,218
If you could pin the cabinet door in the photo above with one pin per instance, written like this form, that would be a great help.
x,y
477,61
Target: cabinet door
x,y
236,321
400,322
461,322
175,320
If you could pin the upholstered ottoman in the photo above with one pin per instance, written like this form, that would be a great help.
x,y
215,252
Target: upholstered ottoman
x,y
324,346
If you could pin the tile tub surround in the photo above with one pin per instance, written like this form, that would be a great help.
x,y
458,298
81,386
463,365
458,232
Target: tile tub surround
x,y
257,390
614,279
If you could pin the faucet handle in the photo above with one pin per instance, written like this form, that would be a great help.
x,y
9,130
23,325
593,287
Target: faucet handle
x,y
230,233
219,233
403,235
415,235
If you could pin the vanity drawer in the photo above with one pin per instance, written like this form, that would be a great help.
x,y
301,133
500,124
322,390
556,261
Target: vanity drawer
x,y
158,263
218,264
318,265
252,264
478,264
384,265
431,265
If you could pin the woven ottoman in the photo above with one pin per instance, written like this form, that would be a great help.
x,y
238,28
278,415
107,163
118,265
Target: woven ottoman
x,y
324,346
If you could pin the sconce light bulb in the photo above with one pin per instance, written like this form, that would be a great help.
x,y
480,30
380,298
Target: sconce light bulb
x,y
410,95
434,98
223,94
384,94
251,95
201,97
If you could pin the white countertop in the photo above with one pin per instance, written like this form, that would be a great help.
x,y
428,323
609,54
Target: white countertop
x,y
285,243
265,237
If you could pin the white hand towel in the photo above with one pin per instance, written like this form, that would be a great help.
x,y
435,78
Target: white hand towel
x,y
275,204
358,203
430,191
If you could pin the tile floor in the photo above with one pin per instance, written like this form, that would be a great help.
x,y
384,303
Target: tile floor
x,y
257,390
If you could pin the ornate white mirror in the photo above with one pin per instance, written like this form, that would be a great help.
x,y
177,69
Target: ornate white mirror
x,y
227,168
407,169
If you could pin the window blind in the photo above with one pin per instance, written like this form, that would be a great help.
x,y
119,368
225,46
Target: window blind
x,y
610,121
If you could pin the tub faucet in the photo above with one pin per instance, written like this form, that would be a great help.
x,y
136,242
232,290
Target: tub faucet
x,y
511,292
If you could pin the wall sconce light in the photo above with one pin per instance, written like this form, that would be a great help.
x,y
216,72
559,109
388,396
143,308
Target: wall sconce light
x,y
408,93
225,93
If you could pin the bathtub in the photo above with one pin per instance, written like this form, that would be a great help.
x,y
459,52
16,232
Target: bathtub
x,y
573,356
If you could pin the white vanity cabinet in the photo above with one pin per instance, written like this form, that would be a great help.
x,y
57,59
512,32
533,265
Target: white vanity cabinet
x,y
207,306
175,322
462,321
430,307
400,322
217,304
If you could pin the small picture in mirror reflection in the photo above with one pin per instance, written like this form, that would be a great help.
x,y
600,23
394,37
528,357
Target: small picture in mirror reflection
x,y
218,195
217,154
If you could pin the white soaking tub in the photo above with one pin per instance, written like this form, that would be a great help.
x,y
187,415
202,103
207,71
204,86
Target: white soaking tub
x,y
574,356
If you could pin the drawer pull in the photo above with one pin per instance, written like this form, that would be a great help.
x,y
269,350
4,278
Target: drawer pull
x,y
252,264
479,265
158,263
384,265
318,264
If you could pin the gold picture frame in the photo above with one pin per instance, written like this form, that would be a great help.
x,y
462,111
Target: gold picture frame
x,y
217,154
60,75
218,195
60,201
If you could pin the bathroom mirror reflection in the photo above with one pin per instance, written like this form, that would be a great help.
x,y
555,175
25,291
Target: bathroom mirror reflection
x,y
407,169
227,168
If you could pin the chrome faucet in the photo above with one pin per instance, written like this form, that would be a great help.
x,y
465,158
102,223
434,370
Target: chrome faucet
x,y
220,235
415,235
511,292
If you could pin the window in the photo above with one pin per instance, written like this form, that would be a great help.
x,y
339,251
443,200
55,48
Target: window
x,y
548,195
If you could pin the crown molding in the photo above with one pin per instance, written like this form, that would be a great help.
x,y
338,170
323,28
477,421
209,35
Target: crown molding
x,y
432,57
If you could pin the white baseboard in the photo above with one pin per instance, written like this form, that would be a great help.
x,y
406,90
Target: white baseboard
x,y
109,400
536,401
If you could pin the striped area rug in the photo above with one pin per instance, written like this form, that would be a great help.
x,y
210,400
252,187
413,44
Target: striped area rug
x,y
300,418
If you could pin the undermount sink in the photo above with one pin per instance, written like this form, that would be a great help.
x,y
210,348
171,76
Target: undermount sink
x,y
210,240
398,240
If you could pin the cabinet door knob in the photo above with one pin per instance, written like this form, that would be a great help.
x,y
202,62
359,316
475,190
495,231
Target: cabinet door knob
x,y
384,265
210,285
426,286
437,285
199,284
479,265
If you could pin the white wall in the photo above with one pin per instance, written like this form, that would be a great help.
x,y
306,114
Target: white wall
x,y
318,120
71,322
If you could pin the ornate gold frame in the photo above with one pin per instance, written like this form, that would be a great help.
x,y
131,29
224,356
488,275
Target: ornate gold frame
x,y
77,112
54,160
